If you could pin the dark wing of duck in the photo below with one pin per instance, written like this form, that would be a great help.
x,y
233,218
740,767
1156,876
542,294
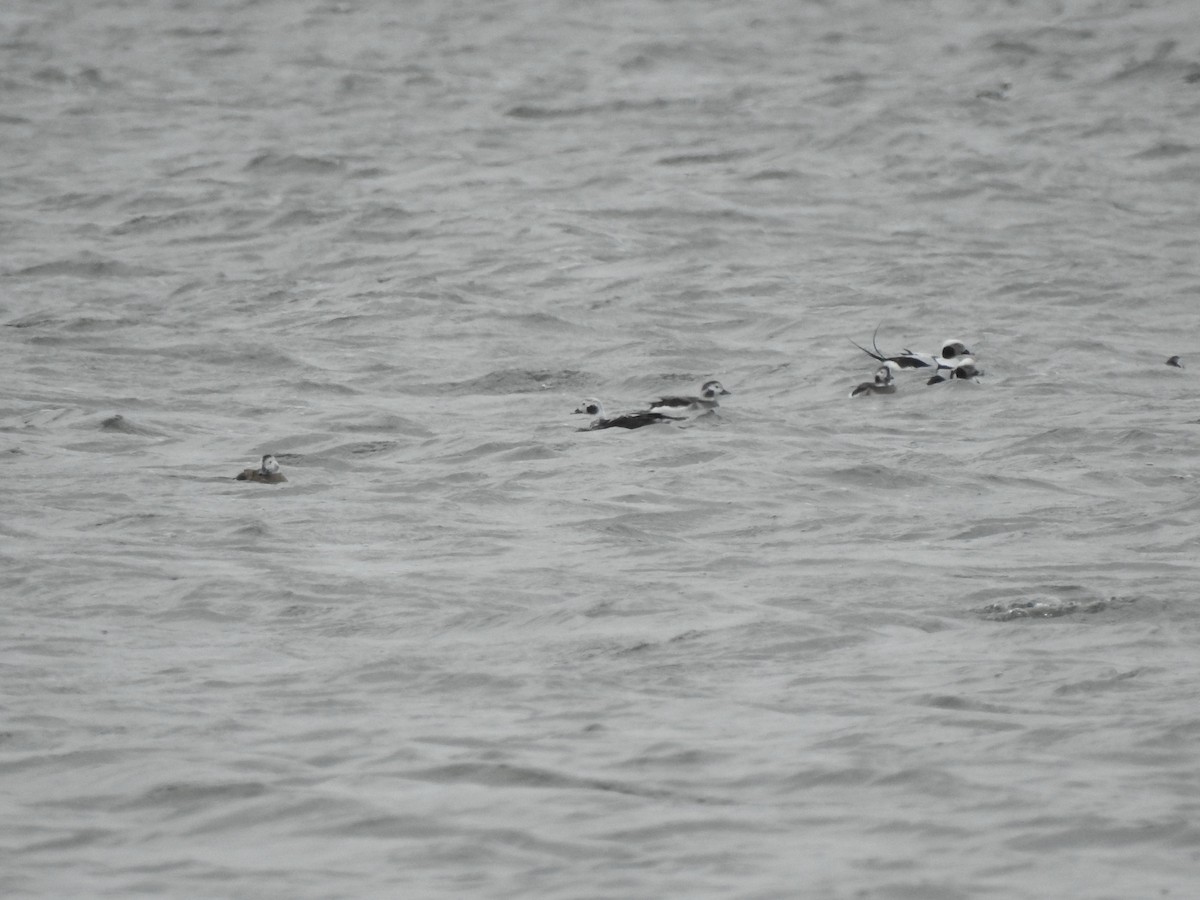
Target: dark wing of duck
x,y
635,420
674,402
910,360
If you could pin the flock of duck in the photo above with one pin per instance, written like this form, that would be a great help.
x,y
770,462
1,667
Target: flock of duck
x,y
664,409
956,361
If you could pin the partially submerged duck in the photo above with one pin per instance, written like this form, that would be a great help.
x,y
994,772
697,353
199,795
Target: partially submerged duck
x,y
966,370
593,407
707,401
884,382
268,472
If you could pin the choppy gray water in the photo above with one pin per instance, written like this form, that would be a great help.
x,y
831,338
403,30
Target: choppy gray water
x,y
935,645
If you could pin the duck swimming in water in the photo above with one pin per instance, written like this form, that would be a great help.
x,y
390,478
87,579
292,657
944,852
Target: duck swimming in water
x,y
595,408
953,352
706,402
268,472
884,383
966,370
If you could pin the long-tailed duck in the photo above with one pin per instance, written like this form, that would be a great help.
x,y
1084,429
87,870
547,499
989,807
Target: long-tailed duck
x,y
707,400
884,383
595,408
953,351
268,472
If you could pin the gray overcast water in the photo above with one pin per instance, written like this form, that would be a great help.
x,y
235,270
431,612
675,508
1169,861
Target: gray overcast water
x,y
935,645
